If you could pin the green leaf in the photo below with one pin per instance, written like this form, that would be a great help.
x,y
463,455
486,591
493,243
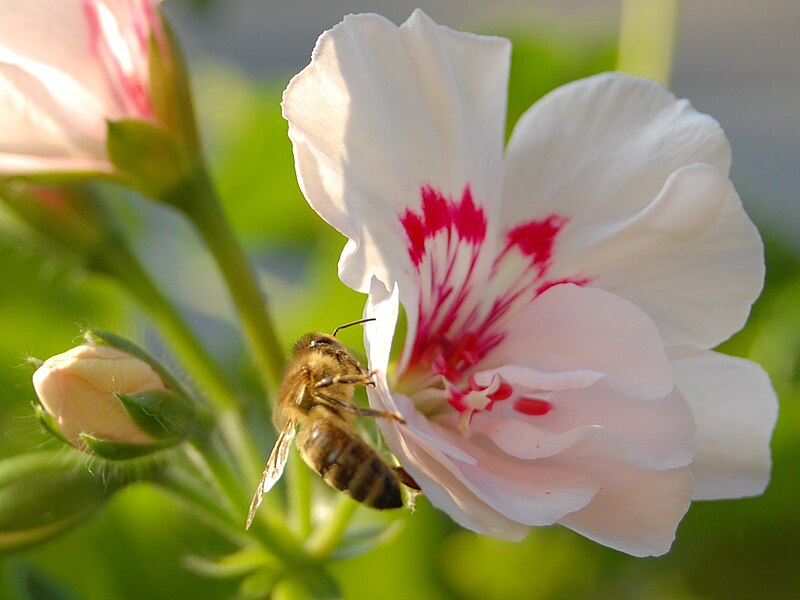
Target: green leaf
x,y
30,583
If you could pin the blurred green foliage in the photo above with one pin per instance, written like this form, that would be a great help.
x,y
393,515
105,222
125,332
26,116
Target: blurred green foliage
x,y
140,545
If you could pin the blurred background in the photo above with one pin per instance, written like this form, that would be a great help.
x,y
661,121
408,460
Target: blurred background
x,y
736,60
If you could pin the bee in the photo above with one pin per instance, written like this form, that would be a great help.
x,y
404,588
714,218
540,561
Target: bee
x,y
315,399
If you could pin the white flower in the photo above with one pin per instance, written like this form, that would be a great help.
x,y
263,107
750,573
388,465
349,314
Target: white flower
x,y
560,296
66,68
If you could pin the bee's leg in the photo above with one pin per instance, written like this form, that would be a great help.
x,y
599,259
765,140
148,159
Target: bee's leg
x,y
405,478
365,379
364,412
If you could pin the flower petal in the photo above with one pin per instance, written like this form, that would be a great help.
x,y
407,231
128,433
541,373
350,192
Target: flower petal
x,y
383,111
599,152
66,68
735,408
598,421
66,34
438,473
601,148
692,259
569,328
47,119
635,511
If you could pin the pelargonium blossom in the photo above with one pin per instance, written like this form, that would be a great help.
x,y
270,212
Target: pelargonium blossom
x,y
66,69
561,295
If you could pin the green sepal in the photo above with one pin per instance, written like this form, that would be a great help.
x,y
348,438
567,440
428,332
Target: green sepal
x,y
48,422
124,450
169,88
43,494
307,583
235,565
147,153
162,414
359,541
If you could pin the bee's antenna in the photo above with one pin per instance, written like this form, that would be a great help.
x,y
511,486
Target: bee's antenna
x,y
346,325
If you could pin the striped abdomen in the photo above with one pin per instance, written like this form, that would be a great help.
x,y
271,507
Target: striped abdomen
x,y
348,463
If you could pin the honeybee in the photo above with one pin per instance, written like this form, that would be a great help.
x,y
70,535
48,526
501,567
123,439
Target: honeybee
x,y
315,398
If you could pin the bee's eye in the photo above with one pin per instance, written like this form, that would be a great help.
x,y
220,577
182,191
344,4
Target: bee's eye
x,y
319,341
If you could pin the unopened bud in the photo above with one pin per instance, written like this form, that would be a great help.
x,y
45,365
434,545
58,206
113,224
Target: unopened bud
x,y
108,401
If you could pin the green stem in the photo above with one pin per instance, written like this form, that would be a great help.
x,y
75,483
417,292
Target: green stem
x,y
186,489
270,531
647,38
118,260
197,199
326,539
299,487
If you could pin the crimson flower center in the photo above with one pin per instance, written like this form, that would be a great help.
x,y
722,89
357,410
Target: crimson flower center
x,y
471,284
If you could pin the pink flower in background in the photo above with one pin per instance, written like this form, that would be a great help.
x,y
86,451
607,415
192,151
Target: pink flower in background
x,y
66,68
560,295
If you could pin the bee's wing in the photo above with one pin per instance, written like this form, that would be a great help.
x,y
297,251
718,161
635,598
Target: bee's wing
x,y
273,469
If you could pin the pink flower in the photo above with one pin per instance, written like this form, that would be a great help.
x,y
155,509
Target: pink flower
x,y
66,69
560,296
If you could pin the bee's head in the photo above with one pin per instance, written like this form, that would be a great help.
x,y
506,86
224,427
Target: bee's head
x,y
323,341
320,343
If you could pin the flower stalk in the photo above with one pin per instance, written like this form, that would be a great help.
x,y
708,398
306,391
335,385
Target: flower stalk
x,y
299,484
272,532
196,198
647,38
326,539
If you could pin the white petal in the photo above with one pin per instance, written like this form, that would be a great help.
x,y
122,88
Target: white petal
x,y
477,485
535,493
57,34
692,259
598,421
382,111
635,511
535,379
439,474
601,148
569,328
47,119
599,152
735,409
383,306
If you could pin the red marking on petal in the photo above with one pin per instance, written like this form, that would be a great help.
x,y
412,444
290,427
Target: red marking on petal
x,y
536,239
580,281
435,210
119,55
503,392
456,400
532,406
470,221
415,233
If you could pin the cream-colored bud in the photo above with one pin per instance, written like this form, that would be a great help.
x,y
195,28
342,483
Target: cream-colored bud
x,y
77,389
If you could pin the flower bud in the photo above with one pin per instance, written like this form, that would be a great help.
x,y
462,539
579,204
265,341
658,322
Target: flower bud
x,y
87,86
102,399
42,494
